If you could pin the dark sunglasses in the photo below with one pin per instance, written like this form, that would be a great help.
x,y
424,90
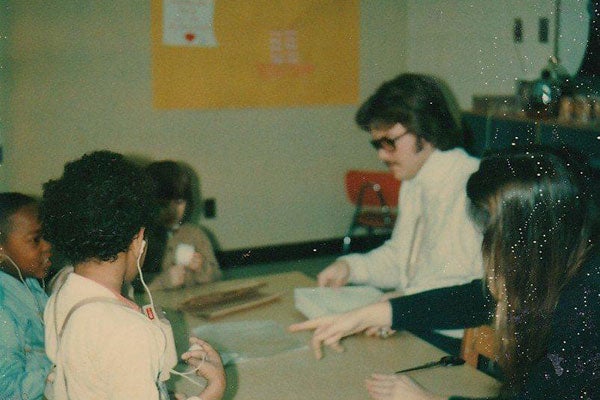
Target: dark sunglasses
x,y
385,143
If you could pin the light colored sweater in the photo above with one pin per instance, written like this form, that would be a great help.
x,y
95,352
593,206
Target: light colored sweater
x,y
106,351
192,235
447,252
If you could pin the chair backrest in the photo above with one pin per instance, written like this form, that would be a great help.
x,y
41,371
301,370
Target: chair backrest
x,y
390,187
478,341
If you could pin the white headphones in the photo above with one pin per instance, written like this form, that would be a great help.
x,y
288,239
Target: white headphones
x,y
140,254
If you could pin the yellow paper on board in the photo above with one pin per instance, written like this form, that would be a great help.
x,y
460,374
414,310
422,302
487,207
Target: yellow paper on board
x,y
268,53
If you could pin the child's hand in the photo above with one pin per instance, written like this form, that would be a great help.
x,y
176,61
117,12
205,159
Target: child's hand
x,y
176,276
208,364
196,262
397,387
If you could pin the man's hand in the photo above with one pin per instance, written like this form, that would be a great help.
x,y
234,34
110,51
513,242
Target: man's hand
x,y
335,275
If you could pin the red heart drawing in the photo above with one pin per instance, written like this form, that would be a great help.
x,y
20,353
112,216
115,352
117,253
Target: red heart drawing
x,y
189,37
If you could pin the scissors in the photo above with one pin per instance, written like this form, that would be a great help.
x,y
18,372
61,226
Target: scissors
x,y
446,361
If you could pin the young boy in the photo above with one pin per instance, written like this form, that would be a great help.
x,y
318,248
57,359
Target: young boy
x,y
102,345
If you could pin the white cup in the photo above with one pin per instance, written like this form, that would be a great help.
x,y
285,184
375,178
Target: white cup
x,y
184,253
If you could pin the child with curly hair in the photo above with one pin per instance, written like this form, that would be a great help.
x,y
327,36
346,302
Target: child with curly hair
x,y
95,214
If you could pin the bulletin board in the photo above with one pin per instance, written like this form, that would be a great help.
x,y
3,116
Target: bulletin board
x,y
254,53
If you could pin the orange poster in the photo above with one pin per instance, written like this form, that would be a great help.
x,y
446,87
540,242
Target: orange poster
x,y
254,53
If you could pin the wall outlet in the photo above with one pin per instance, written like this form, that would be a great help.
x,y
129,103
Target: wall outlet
x,y
518,30
210,208
543,27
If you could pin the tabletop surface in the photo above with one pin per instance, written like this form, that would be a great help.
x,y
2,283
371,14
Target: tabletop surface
x,y
297,374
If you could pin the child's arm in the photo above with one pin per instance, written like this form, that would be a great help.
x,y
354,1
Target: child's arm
x,y
22,375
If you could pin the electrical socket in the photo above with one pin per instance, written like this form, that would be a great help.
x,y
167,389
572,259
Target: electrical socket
x,y
518,30
210,208
543,28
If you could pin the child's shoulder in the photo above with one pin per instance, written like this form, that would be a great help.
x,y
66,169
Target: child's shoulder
x,y
189,230
10,295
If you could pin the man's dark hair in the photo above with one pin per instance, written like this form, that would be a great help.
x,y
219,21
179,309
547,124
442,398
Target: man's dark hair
x,y
420,103
97,207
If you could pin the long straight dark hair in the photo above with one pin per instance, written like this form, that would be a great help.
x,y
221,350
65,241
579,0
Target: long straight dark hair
x,y
538,210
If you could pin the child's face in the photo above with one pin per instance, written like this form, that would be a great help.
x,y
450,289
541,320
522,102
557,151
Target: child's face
x,y
173,212
25,245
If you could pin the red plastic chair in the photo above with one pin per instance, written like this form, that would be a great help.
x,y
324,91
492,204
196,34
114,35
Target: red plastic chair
x,y
375,195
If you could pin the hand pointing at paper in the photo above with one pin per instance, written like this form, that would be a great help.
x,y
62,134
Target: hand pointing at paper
x,y
330,330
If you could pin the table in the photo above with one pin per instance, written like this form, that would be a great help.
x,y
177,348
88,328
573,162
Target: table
x,y
298,375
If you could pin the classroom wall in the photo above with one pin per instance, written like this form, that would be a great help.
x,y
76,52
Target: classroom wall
x,y
470,43
4,94
80,80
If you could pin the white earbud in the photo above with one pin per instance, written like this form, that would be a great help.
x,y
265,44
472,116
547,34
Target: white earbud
x,y
140,254
195,346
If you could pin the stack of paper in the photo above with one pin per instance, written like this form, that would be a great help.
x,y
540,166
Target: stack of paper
x,y
318,301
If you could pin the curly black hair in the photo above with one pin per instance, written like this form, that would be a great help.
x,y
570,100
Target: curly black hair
x,y
97,207
10,203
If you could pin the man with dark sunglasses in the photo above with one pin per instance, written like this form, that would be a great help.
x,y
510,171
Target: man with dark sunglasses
x,y
434,243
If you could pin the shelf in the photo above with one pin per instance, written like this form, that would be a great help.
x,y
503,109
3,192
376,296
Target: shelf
x,y
495,132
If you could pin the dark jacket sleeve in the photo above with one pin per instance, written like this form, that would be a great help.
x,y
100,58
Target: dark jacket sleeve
x,y
451,307
570,368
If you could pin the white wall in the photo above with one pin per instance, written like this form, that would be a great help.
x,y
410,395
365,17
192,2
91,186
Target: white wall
x,y
470,43
4,90
80,80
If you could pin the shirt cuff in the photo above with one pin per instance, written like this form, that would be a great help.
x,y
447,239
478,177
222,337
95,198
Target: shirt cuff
x,y
356,274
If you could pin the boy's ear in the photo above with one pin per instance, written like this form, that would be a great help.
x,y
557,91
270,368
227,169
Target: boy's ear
x,y
136,243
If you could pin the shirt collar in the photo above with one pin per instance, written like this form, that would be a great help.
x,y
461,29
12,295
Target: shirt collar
x,y
435,170
92,288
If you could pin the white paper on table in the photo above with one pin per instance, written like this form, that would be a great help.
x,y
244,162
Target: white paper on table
x,y
245,340
316,302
